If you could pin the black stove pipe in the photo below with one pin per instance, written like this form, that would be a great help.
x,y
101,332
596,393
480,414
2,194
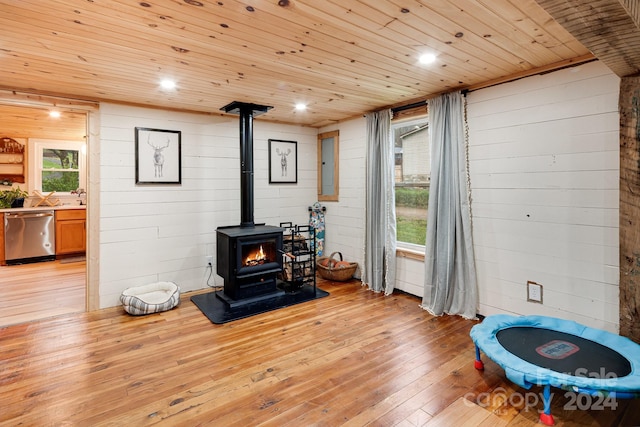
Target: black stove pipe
x,y
247,112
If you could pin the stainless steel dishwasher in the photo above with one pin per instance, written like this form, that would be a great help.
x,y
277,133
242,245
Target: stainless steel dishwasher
x,y
29,236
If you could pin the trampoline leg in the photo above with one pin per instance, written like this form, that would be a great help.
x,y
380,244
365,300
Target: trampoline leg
x,y
478,362
545,417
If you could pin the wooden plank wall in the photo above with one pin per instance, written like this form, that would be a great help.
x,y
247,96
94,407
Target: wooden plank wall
x,y
152,233
630,208
344,219
544,176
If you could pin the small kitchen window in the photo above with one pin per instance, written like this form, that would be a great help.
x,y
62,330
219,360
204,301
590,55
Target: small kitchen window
x,y
58,166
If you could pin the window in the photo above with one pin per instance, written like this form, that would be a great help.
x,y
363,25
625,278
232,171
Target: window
x,y
412,178
59,166
328,166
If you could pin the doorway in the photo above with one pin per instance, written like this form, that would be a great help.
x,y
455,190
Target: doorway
x,y
34,291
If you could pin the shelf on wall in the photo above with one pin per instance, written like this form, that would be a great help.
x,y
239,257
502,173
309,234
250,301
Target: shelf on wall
x,y
12,160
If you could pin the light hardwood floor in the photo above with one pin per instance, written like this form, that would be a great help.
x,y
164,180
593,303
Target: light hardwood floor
x,y
41,290
353,358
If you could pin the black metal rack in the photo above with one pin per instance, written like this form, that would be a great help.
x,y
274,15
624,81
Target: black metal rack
x,y
298,257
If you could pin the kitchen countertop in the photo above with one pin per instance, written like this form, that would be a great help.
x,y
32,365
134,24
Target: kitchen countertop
x,y
43,208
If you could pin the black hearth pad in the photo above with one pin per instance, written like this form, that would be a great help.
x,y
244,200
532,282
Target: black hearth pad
x,y
219,312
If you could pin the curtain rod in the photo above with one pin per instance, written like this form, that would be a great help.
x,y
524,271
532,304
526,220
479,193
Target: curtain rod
x,y
409,106
421,103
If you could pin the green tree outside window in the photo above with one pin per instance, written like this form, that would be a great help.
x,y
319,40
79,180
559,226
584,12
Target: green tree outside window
x,y
60,170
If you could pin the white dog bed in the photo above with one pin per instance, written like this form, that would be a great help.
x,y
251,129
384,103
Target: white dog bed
x,y
152,298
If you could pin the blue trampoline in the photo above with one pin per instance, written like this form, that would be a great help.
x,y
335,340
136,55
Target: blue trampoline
x,y
550,352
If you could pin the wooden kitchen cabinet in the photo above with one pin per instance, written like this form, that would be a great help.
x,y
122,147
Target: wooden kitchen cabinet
x,y
71,231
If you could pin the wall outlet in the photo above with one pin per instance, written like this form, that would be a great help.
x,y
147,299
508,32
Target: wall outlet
x,y
209,261
534,292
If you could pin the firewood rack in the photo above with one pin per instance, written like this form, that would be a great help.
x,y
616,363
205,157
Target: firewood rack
x,y
298,257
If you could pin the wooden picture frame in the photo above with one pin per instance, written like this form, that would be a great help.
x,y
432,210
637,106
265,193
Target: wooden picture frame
x,y
158,156
283,162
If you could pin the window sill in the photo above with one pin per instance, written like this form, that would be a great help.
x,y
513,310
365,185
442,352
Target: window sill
x,y
410,253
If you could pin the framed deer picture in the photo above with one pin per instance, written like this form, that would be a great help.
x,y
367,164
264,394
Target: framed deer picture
x,y
158,156
283,162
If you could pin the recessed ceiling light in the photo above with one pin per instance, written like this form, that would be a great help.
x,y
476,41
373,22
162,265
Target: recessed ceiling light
x,y
300,106
54,113
427,58
168,84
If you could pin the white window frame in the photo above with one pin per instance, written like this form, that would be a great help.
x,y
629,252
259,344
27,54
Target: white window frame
x,y
406,246
36,148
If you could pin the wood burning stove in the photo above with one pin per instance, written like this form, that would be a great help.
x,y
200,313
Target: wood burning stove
x,y
249,256
249,260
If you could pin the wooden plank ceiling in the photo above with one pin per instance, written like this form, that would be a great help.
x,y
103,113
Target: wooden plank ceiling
x,y
28,122
341,57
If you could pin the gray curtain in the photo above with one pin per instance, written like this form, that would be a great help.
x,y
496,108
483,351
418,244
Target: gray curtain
x,y
379,269
450,275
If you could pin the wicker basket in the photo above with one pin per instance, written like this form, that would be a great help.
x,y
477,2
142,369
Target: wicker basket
x,y
331,272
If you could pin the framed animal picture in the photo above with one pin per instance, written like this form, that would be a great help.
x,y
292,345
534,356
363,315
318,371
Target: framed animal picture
x,y
283,162
158,156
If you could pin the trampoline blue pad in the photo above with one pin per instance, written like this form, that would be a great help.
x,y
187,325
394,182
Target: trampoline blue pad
x,y
528,370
